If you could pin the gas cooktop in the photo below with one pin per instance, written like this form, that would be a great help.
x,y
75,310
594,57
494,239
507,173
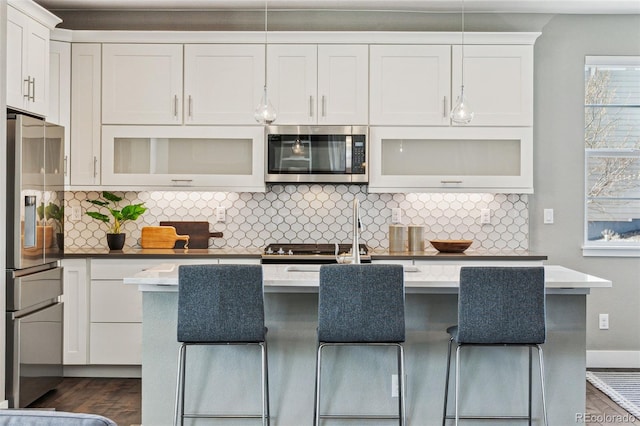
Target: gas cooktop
x,y
309,253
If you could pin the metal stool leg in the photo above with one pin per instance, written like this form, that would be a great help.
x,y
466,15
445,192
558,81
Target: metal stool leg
x,y
544,402
316,408
266,417
401,387
457,382
446,384
530,385
178,419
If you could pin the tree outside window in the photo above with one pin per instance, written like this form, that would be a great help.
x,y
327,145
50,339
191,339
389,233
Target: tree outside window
x,y
612,151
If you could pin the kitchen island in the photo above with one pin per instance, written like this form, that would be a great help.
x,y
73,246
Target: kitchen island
x,y
291,317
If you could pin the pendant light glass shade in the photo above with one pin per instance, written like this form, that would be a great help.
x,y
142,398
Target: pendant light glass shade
x,y
461,112
265,113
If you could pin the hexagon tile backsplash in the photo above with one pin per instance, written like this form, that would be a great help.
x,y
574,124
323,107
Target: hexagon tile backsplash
x,y
315,213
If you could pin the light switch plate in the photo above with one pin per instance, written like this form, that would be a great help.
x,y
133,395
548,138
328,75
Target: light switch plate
x,y
485,216
548,216
221,214
396,215
76,213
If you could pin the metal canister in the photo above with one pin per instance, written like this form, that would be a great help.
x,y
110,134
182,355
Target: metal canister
x,y
416,238
397,238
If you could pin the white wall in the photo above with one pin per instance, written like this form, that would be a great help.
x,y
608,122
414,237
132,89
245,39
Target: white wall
x,y
559,174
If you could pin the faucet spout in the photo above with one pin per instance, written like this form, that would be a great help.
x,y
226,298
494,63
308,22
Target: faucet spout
x,y
355,242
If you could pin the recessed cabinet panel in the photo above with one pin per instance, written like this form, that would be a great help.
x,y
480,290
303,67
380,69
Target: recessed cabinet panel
x,y
142,84
193,156
223,83
451,159
410,85
498,83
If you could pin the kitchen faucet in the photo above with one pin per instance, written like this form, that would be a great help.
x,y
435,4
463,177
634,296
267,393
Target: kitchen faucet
x,y
355,243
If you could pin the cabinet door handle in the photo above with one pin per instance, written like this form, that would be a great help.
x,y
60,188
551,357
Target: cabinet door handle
x,y
95,166
33,94
324,106
310,106
64,165
190,107
175,106
445,110
450,181
27,81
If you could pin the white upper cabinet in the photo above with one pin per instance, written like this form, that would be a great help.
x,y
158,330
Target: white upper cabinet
x,y
498,83
84,154
27,63
451,159
142,84
60,95
222,83
410,85
318,84
416,85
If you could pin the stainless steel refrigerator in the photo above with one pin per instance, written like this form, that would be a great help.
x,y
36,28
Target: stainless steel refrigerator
x,y
35,197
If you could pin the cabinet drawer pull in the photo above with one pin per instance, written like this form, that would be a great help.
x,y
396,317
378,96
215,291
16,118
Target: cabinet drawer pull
x,y
190,107
186,181
450,181
95,166
175,106
445,110
310,106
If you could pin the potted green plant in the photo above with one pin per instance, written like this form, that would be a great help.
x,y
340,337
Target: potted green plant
x,y
55,212
115,236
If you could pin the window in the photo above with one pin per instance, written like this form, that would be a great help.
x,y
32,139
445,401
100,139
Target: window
x,y
612,156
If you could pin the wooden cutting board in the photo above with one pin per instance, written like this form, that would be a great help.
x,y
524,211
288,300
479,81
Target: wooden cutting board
x,y
198,233
161,237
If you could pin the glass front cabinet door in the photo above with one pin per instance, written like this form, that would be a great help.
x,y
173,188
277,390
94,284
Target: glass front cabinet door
x,y
217,158
418,159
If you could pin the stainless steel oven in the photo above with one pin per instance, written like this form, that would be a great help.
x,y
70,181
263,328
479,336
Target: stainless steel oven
x,y
330,154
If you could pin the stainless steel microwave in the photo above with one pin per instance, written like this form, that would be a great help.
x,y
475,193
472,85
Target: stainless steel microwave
x,y
320,154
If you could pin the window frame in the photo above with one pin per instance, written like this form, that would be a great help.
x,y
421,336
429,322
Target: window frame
x,y
610,248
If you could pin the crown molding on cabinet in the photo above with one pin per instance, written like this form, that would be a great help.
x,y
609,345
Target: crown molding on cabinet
x,y
35,11
296,37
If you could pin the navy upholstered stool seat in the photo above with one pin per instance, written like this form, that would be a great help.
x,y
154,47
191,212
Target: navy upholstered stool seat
x,y
220,305
499,306
361,305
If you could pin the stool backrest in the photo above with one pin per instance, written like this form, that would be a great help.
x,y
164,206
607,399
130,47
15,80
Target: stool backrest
x,y
501,305
361,303
220,303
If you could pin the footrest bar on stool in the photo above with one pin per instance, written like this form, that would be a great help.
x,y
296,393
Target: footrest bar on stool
x,y
223,416
356,416
449,417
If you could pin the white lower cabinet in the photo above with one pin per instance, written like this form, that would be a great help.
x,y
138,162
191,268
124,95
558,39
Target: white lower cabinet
x,y
76,311
454,159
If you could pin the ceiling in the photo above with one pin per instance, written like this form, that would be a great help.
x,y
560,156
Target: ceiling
x,y
435,6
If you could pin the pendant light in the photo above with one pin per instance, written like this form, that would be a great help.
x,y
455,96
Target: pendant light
x,y
461,112
265,113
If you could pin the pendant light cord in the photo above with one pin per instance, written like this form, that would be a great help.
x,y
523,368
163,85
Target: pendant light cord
x,y
265,43
462,47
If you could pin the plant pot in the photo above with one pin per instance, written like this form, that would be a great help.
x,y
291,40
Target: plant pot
x,y
60,240
116,241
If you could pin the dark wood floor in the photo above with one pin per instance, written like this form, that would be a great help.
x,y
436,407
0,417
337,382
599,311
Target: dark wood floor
x,y
120,400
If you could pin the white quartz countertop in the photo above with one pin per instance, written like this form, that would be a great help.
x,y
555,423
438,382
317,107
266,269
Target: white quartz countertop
x,y
418,279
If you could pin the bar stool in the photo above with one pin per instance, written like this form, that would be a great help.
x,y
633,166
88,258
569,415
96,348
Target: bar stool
x,y
220,305
499,306
361,305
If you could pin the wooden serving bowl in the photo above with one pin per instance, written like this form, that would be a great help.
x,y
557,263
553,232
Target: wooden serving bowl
x,y
451,246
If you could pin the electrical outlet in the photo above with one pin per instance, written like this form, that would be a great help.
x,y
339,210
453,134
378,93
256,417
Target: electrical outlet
x,y
548,216
396,215
485,216
221,214
394,386
604,321
76,213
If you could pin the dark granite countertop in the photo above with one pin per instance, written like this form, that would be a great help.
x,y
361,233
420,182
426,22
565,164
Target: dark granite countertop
x,y
255,252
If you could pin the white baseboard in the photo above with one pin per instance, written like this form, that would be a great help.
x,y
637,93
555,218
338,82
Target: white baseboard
x,y
613,359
